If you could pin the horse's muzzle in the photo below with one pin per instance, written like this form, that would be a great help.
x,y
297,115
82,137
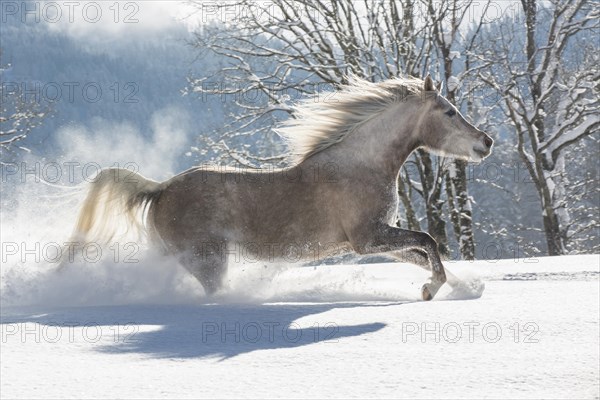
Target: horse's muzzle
x,y
483,147
488,141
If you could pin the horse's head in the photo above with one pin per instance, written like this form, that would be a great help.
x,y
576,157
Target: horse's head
x,y
445,131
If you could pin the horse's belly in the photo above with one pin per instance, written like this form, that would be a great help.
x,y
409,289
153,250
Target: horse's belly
x,y
286,236
248,252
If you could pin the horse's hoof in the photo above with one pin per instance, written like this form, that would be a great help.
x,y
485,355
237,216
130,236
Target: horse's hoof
x,y
429,289
426,293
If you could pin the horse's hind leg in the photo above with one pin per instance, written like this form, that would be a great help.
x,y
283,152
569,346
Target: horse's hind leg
x,y
209,267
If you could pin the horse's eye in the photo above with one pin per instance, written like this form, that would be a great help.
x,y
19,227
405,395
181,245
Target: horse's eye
x,y
451,112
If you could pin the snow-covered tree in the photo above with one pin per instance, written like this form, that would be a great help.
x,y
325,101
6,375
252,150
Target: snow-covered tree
x,y
543,65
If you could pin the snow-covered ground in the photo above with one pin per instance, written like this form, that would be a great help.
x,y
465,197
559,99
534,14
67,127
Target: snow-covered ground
x,y
524,329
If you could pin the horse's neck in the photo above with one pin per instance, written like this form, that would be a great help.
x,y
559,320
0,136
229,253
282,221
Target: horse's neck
x,y
381,144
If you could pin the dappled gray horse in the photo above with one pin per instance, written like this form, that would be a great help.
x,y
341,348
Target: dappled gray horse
x,y
339,194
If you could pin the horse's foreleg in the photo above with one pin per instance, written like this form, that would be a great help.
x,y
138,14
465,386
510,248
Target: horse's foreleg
x,y
420,258
413,256
419,248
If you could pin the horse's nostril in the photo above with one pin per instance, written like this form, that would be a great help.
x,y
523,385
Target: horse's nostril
x,y
488,142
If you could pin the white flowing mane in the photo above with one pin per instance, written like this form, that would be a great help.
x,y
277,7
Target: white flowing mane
x,y
320,123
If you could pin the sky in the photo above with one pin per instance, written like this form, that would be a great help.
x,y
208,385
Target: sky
x,y
123,19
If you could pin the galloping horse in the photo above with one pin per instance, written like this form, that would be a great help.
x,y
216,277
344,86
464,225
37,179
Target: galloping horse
x,y
339,192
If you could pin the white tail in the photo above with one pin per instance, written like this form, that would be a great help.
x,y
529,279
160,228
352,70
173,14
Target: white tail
x,y
117,196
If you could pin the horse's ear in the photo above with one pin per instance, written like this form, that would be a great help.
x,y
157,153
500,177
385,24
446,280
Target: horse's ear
x,y
428,84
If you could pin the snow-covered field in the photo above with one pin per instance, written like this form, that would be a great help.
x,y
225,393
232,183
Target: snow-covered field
x,y
526,329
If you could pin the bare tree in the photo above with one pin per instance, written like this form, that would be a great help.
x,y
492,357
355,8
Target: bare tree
x,y
18,115
550,98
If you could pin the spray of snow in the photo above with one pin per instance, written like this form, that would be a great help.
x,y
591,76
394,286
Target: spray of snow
x,y
40,201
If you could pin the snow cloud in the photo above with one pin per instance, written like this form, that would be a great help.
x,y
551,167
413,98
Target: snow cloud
x,y
109,143
99,23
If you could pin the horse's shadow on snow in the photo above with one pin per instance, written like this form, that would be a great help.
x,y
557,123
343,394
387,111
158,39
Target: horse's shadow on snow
x,y
191,331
